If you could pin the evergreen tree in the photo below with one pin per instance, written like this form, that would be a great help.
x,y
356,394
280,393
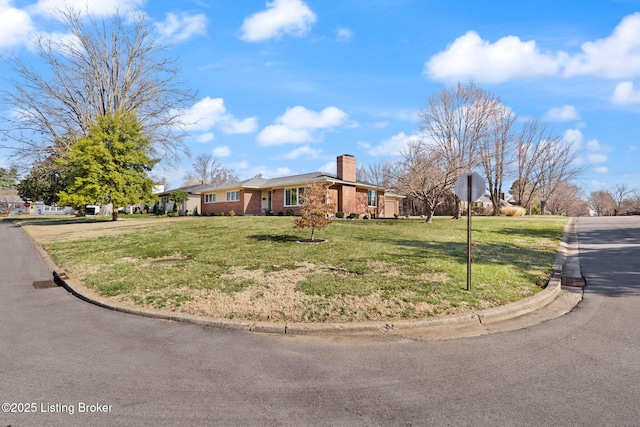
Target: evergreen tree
x,y
110,165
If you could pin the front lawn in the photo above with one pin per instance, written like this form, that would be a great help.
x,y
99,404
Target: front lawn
x,y
254,268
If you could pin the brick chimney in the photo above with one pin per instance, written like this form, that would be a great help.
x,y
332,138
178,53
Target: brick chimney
x,y
346,167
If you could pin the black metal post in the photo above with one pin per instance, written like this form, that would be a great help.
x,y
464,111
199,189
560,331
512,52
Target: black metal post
x,y
469,179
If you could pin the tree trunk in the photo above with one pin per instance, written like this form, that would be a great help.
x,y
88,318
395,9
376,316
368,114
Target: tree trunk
x,y
114,215
496,208
429,217
458,214
430,212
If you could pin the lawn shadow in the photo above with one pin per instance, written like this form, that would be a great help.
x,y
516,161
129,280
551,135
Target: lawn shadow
x,y
280,238
544,232
34,221
482,253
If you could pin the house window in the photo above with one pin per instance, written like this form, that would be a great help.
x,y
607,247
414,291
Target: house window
x,y
209,198
372,197
233,196
292,196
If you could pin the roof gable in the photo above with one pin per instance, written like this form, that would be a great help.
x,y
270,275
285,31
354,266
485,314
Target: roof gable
x,y
287,181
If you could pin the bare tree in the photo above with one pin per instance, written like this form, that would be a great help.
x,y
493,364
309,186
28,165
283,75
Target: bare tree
x,y
545,161
423,173
104,66
601,203
379,174
223,175
455,121
201,168
619,193
496,151
529,153
558,167
208,170
632,203
567,200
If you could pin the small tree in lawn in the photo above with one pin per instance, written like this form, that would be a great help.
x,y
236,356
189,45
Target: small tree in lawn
x,y
177,197
314,208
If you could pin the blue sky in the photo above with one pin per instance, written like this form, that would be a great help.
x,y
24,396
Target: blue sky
x,y
284,86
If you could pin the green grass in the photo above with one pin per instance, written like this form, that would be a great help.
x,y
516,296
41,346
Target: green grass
x,y
403,262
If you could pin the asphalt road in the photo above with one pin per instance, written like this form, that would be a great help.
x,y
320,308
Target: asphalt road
x,y
61,357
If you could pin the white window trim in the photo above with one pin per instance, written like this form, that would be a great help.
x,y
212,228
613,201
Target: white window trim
x,y
299,191
231,196
212,198
369,198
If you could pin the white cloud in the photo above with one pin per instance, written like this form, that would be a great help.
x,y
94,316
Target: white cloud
x,y
16,25
471,57
206,137
223,151
300,117
292,17
329,167
248,125
601,170
616,56
178,28
575,137
208,113
625,93
204,114
96,7
297,125
595,146
281,134
305,151
344,34
392,146
597,158
243,165
566,113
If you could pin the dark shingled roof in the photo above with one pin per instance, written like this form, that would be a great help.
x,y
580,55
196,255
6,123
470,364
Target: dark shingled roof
x,y
285,181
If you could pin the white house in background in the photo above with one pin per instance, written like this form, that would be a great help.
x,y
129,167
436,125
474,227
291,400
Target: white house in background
x,y
39,208
485,203
187,207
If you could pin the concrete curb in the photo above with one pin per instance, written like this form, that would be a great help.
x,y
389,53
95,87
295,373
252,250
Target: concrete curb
x,y
490,316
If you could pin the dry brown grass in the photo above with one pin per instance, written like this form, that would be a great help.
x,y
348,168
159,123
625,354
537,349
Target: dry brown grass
x,y
368,271
274,297
513,211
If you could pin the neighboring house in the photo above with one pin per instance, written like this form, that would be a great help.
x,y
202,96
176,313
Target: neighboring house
x,y
187,207
10,201
485,204
39,208
261,196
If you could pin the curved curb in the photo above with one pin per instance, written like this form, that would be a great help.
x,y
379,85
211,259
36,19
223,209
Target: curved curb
x,y
465,320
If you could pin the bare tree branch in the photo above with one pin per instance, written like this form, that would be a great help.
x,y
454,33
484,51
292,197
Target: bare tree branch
x,y
102,66
455,121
